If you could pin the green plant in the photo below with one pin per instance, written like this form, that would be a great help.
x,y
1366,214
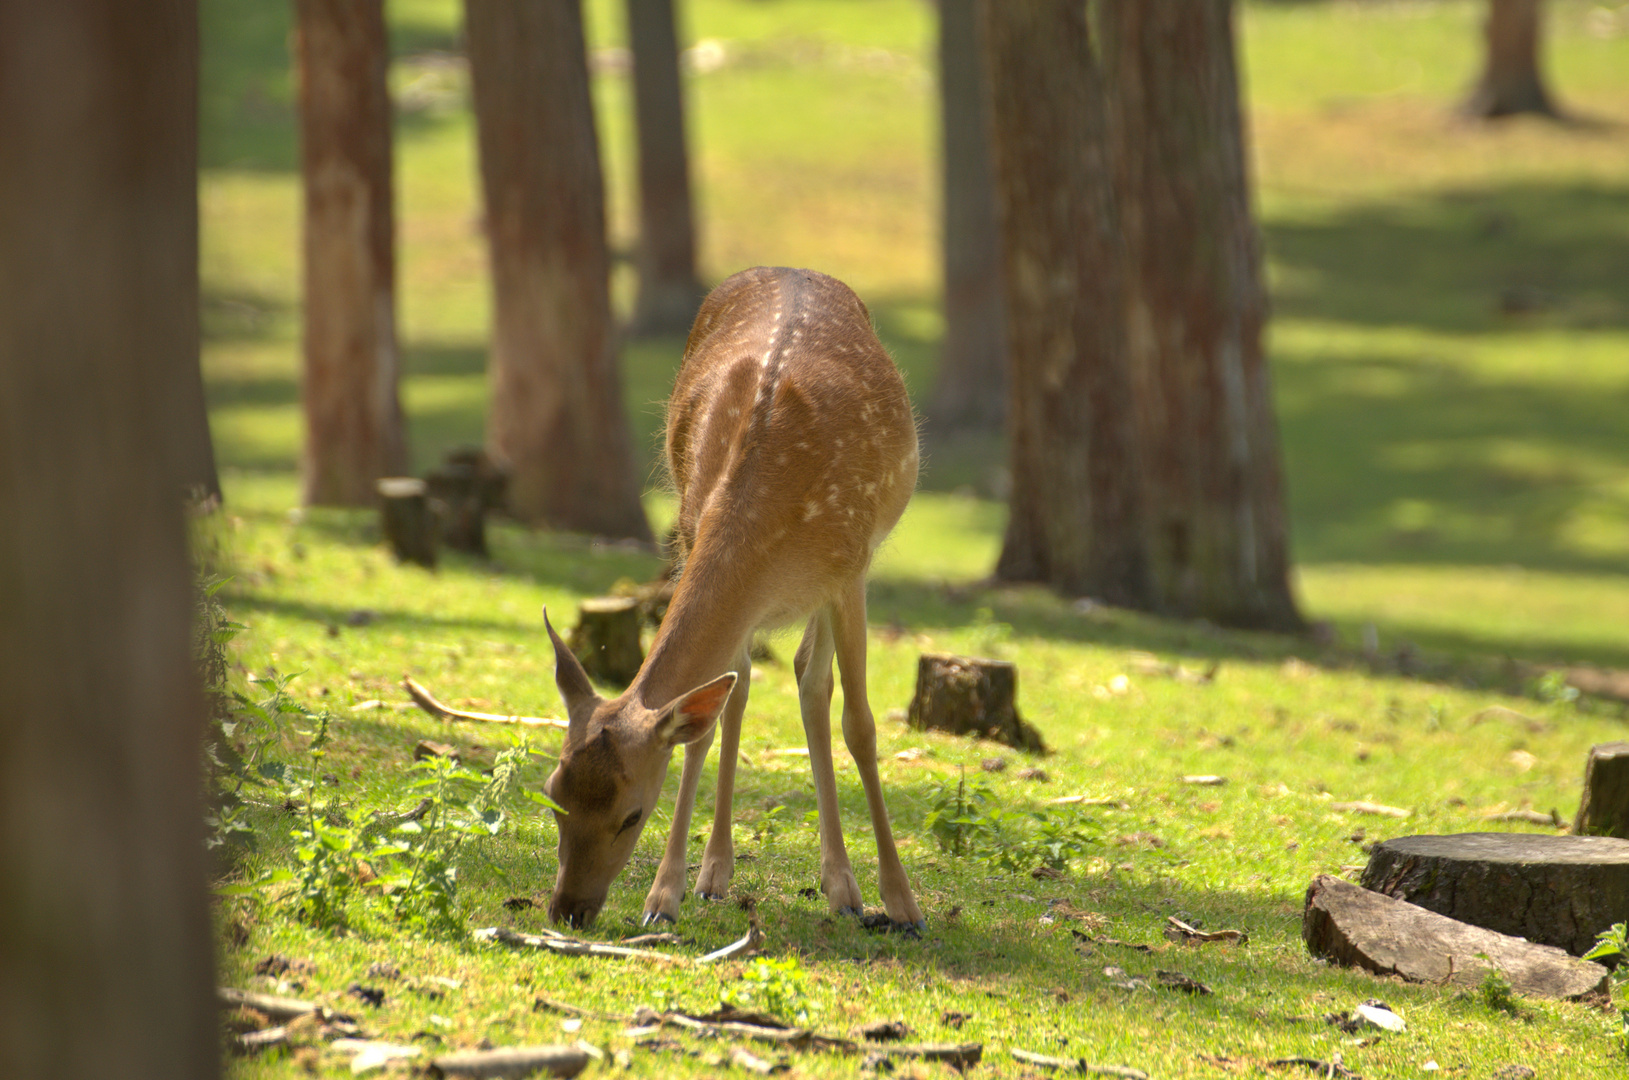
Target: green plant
x,y
1614,942
774,986
419,863
970,820
1495,989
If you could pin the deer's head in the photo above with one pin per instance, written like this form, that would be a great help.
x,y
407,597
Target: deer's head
x,y
610,775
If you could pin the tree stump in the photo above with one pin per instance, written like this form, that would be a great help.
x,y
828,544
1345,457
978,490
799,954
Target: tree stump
x,y
1554,890
968,696
1604,809
406,520
1354,927
463,488
606,638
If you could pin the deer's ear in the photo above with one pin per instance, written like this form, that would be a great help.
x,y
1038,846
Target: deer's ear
x,y
691,716
575,689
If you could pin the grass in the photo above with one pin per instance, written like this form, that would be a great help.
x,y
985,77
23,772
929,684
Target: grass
x,y
1449,346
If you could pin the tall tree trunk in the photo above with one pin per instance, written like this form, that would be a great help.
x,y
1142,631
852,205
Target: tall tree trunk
x,y
353,418
1511,81
105,965
971,392
1076,517
1218,539
669,291
556,414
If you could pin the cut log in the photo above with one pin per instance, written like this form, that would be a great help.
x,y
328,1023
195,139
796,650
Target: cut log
x,y
406,520
1604,809
606,638
1554,890
967,696
1354,927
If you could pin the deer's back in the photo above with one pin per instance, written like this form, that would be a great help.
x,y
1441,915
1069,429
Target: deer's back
x,y
790,438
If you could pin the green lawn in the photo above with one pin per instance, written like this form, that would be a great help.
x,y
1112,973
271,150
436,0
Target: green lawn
x,y
1451,349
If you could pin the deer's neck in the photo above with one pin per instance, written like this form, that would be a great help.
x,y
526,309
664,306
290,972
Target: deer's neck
x,y
706,626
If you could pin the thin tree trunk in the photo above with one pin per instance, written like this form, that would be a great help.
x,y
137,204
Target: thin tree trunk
x,y
556,414
669,291
105,938
971,392
1218,539
1511,81
353,418
1076,515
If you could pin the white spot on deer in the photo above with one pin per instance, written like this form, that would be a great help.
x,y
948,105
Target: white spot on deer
x,y
780,459
811,510
870,489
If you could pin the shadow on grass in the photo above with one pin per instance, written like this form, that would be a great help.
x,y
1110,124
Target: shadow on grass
x,y
1479,260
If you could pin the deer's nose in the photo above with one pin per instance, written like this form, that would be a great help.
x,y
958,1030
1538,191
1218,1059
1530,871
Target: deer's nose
x,y
574,911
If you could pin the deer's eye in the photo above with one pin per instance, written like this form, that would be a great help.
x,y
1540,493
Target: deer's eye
x,y
629,822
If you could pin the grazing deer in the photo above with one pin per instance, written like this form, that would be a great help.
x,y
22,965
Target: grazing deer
x,y
792,445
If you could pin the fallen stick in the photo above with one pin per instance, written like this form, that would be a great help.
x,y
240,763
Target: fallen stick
x,y
264,1039
278,1008
429,704
1179,931
797,1038
754,937
957,1055
567,946
512,1061
1089,800
1366,807
1080,1065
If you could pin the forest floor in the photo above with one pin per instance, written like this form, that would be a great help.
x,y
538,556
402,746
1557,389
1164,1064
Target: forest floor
x,y
1451,353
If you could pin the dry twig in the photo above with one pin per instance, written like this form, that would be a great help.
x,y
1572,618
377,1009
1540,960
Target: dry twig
x,y
430,705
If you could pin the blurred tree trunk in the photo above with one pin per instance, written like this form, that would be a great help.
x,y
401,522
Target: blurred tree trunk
x,y
1075,515
1511,81
669,291
971,392
353,417
105,936
1218,540
556,415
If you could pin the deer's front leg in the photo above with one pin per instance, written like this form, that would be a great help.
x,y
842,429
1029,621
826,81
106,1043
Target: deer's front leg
x,y
718,864
662,902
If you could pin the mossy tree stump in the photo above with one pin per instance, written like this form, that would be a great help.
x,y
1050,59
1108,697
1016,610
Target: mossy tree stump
x,y
1604,809
407,521
606,638
968,696
1553,890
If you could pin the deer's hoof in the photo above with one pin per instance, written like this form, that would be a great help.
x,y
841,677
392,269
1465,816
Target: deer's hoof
x,y
911,929
657,917
709,896
850,911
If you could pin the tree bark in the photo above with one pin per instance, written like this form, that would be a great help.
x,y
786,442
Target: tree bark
x,y
353,418
105,955
556,415
1075,518
1511,80
1218,539
970,395
669,291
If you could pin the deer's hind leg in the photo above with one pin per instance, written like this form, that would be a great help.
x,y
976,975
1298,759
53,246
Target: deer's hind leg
x,y
812,664
860,733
